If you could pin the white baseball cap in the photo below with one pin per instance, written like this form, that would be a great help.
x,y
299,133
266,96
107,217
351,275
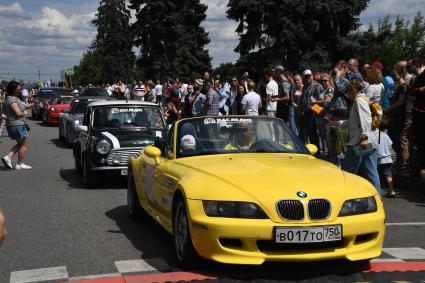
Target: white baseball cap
x,y
307,73
188,142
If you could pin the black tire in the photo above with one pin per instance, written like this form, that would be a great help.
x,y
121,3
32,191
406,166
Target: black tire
x,y
89,179
185,253
77,164
135,211
61,137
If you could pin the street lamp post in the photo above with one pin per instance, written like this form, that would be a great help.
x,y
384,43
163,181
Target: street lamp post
x,y
38,67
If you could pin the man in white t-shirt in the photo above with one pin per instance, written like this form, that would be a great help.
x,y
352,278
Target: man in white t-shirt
x,y
272,91
158,92
251,102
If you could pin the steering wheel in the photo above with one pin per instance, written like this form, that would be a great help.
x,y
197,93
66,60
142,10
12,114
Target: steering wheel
x,y
266,145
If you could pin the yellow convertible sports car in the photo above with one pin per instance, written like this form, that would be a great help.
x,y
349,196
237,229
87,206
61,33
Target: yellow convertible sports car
x,y
244,190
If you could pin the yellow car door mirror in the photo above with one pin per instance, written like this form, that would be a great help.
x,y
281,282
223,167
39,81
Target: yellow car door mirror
x,y
153,152
312,149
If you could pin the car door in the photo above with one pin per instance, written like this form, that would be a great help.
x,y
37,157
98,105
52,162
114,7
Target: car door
x,y
159,183
84,136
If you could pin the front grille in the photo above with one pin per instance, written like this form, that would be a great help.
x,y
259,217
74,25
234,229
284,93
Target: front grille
x,y
319,209
271,246
121,156
291,210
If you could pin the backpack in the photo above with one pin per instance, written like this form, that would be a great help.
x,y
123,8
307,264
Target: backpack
x,y
376,112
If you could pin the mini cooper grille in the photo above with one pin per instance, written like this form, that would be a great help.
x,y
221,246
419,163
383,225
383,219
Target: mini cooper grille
x,y
291,209
121,156
319,209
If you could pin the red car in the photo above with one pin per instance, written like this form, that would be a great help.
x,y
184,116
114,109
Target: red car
x,y
53,108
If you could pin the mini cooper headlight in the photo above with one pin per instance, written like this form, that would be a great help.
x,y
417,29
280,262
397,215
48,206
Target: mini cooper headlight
x,y
53,109
103,147
233,209
358,206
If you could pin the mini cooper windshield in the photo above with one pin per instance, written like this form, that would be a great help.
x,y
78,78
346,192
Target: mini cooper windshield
x,y
216,135
127,117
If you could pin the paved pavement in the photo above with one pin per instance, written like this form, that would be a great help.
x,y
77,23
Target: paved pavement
x,y
59,231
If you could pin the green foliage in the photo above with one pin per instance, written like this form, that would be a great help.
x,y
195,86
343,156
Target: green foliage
x,y
389,42
226,70
114,41
89,70
170,38
295,33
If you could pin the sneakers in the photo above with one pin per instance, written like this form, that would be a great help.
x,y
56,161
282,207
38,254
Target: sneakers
x,y
7,162
22,166
390,194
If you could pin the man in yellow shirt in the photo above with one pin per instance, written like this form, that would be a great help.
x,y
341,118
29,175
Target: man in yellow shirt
x,y
243,137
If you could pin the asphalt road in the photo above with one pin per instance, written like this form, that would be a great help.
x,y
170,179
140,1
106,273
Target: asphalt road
x,y
53,221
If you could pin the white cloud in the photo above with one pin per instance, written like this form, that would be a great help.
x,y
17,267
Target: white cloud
x,y
47,38
13,10
221,31
380,8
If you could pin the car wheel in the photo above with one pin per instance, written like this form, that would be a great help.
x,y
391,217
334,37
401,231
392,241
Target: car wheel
x,y
135,211
183,247
88,175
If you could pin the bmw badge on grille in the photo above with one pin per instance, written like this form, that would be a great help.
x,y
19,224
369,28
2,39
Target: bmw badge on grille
x,y
302,194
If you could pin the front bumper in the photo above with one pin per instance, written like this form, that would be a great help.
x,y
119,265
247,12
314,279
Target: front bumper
x,y
250,241
53,119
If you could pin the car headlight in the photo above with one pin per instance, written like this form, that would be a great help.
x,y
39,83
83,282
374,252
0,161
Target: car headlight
x,y
103,147
53,109
233,209
358,206
76,122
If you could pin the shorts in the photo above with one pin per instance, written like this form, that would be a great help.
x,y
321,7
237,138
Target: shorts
x,y
385,170
17,132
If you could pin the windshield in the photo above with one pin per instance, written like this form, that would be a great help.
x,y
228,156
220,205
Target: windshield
x,y
95,92
127,117
62,100
215,135
49,93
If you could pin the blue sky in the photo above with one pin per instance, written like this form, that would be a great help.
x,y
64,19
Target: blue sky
x,y
53,34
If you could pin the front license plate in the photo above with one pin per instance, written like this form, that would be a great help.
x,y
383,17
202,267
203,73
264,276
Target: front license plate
x,y
124,172
317,234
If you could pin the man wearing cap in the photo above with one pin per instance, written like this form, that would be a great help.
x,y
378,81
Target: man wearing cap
x,y
272,93
311,92
385,100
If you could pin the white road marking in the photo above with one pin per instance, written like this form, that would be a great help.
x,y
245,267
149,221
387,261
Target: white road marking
x,y
42,274
140,265
406,253
406,224
80,278
387,260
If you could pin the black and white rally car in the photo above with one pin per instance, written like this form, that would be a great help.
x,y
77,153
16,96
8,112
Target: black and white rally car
x,y
111,132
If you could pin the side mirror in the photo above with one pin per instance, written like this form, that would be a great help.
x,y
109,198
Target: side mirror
x,y
83,128
153,152
312,148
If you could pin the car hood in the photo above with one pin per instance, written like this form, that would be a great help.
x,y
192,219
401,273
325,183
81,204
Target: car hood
x,y
124,138
268,177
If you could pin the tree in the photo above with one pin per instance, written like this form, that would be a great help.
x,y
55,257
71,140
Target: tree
x,y
225,70
89,71
388,42
170,38
114,41
294,33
